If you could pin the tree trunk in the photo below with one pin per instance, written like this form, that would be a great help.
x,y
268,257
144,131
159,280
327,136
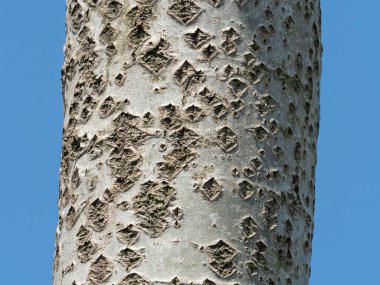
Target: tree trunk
x,y
189,142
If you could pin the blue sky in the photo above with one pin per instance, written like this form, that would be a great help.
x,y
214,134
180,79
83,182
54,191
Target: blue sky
x,y
346,244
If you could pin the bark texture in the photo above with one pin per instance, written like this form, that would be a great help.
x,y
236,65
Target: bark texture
x,y
189,142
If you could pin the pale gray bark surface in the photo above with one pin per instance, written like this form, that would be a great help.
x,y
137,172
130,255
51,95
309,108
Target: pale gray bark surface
x,y
189,143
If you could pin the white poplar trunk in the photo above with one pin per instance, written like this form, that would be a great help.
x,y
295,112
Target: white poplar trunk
x,y
189,143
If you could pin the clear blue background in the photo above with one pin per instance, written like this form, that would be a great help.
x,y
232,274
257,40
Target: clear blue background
x,y
346,245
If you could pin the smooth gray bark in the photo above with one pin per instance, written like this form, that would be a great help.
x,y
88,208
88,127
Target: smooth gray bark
x,y
189,143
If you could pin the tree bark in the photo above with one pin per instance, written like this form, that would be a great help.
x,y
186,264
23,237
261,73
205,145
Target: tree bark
x,y
189,142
